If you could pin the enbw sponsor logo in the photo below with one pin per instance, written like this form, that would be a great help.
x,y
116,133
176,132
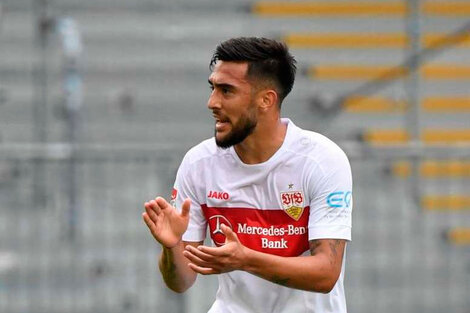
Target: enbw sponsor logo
x,y
339,199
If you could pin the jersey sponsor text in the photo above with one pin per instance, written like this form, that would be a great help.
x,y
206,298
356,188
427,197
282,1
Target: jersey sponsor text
x,y
220,195
270,231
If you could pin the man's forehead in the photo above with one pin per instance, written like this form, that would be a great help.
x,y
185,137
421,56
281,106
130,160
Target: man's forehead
x,y
228,71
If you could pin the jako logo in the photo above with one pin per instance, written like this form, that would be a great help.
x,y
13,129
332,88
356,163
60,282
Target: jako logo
x,y
339,199
221,195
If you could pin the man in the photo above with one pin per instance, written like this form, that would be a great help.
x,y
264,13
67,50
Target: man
x,y
277,199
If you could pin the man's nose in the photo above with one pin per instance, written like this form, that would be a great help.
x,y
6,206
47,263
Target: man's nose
x,y
214,101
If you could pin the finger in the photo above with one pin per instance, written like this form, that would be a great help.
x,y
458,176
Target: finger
x,y
195,259
155,207
200,254
202,270
148,221
151,213
214,252
230,235
163,204
185,208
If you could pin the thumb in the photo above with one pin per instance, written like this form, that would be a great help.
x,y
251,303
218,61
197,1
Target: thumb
x,y
185,207
230,235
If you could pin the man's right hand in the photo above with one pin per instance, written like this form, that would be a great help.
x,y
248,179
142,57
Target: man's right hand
x,y
165,223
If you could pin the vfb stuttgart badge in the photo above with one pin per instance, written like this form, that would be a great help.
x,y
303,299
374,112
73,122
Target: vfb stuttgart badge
x,y
293,203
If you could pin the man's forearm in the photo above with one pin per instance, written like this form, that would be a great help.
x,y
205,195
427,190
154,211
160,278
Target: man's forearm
x,y
318,272
307,273
174,268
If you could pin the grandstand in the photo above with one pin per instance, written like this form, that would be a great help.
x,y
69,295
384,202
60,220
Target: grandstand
x,y
87,138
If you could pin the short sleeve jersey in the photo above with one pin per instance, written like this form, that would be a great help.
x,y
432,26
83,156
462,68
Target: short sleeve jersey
x,y
303,192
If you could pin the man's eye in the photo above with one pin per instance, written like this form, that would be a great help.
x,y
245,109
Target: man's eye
x,y
225,90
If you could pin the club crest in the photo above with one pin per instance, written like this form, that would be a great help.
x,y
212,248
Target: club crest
x,y
293,203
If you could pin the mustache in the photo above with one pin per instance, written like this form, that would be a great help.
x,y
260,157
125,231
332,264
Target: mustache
x,y
220,117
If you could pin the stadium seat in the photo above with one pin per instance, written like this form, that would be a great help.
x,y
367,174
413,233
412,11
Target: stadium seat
x,y
446,72
373,104
311,8
384,72
434,169
345,40
445,203
446,104
446,8
379,104
355,72
428,136
386,136
358,8
443,136
459,236
370,40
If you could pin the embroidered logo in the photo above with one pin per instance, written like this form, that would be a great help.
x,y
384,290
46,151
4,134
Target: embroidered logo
x,y
293,203
220,195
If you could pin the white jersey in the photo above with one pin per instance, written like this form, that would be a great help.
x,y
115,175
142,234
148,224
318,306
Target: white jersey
x,y
303,192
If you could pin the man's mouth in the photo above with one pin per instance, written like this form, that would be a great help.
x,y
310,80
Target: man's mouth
x,y
221,123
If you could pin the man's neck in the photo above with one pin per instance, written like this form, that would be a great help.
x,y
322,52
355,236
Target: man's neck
x,y
262,144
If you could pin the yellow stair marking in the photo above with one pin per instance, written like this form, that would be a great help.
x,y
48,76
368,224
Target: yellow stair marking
x,y
386,136
306,8
383,72
428,136
355,72
459,236
445,203
446,8
453,40
445,135
364,104
446,104
446,71
378,104
434,169
346,40
358,8
371,40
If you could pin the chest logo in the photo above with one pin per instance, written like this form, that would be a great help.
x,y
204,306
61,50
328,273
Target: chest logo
x,y
215,223
293,203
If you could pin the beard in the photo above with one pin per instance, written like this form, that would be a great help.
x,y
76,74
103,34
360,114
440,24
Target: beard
x,y
242,129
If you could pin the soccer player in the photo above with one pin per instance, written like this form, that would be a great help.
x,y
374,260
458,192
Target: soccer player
x,y
276,198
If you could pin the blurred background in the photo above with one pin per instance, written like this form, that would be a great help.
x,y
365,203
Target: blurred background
x,y
100,99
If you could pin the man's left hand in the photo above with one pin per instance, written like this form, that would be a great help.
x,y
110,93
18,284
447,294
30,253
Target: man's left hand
x,y
215,260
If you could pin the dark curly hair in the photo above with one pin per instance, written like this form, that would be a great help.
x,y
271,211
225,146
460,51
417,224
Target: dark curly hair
x,y
268,60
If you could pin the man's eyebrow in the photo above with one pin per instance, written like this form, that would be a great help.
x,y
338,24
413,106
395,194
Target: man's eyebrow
x,y
223,85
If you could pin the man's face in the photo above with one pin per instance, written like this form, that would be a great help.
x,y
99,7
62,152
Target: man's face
x,y
232,103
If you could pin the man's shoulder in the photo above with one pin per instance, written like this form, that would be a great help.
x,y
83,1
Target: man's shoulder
x,y
203,150
315,145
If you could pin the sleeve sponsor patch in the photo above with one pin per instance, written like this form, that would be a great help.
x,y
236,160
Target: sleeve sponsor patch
x,y
174,194
339,199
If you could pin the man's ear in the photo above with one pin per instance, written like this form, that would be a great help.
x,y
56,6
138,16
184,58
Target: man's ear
x,y
267,99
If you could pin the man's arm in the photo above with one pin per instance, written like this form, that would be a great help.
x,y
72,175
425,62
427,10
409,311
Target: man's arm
x,y
317,272
174,267
167,227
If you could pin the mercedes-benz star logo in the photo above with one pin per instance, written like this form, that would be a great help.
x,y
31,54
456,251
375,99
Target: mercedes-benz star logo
x,y
215,223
